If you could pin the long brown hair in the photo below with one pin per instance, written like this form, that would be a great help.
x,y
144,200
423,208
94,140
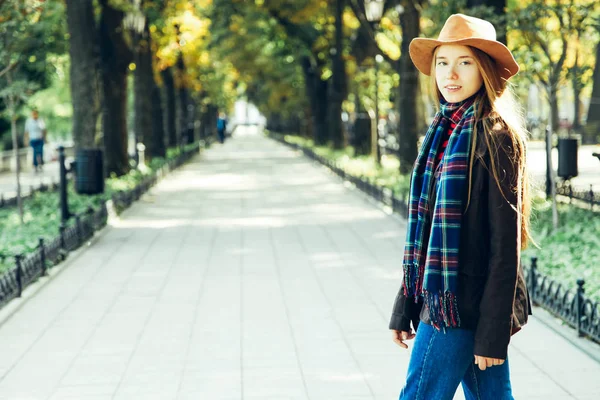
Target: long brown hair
x,y
497,110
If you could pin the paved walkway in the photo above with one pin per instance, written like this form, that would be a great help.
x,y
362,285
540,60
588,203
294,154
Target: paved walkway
x,y
29,179
251,273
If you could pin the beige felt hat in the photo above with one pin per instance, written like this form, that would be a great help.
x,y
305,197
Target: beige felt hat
x,y
467,31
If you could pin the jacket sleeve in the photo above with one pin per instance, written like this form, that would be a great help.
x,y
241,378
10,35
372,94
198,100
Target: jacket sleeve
x,y
405,311
495,322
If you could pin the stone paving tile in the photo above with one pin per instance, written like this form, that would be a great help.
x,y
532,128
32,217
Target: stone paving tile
x,y
251,273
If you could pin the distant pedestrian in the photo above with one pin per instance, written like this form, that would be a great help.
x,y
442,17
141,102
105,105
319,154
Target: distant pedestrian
x,y
35,132
221,127
463,288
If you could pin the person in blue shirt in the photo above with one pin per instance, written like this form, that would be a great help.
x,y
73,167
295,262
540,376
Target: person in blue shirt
x,y
35,132
221,127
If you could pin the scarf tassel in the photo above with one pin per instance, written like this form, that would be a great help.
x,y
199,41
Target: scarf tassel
x,y
413,280
443,310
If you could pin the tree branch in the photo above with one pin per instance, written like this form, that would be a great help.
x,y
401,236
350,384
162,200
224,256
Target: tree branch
x,y
9,68
366,26
556,68
294,30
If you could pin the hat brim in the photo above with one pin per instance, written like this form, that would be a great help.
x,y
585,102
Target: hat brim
x,y
421,54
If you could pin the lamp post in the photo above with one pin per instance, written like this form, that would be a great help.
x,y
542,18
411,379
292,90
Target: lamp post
x,y
377,152
374,12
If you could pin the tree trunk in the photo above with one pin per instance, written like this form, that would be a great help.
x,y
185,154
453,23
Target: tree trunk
x,y
338,81
576,93
183,114
577,107
182,101
361,131
408,91
551,91
115,57
553,100
202,111
316,92
12,107
156,146
210,122
192,117
170,115
593,115
143,87
321,105
84,75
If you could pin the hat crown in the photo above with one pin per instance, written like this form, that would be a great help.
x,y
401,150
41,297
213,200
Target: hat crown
x,y
460,26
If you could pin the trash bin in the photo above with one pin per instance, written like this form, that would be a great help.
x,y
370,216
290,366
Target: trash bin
x,y
567,157
89,171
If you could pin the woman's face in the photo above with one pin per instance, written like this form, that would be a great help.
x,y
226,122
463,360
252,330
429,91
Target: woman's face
x,y
456,73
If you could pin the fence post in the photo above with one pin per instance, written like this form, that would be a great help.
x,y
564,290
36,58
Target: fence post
x,y
570,193
19,275
579,305
92,220
61,230
78,229
64,203
43,256
532,280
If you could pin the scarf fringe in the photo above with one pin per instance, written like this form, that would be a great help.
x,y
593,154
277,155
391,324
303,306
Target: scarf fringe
x,y
443,310
413,280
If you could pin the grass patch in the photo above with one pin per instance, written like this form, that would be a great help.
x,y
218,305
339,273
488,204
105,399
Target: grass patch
x,y
572,251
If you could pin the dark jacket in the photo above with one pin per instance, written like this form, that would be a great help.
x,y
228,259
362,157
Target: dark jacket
x,y
492,296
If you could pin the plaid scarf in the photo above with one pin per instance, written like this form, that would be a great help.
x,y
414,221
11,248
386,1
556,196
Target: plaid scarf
x,y
431,269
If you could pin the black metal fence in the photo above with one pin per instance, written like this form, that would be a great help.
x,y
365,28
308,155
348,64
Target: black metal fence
x,y
572,306
79,230
30,267
587,196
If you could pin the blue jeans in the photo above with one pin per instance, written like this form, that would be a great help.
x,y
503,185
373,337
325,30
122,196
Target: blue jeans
x,y
441,361
38,151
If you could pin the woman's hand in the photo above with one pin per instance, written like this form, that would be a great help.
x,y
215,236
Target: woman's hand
x,y
400,336
484,362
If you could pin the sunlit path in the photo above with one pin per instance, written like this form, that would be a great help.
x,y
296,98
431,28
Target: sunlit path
x,y
251,273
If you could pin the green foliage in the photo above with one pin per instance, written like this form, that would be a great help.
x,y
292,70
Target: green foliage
x,y
41,219
32,32
42,211
545,35
54,103
266,56
570,253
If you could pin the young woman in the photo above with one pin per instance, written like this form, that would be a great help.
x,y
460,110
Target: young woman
x,y
463,287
